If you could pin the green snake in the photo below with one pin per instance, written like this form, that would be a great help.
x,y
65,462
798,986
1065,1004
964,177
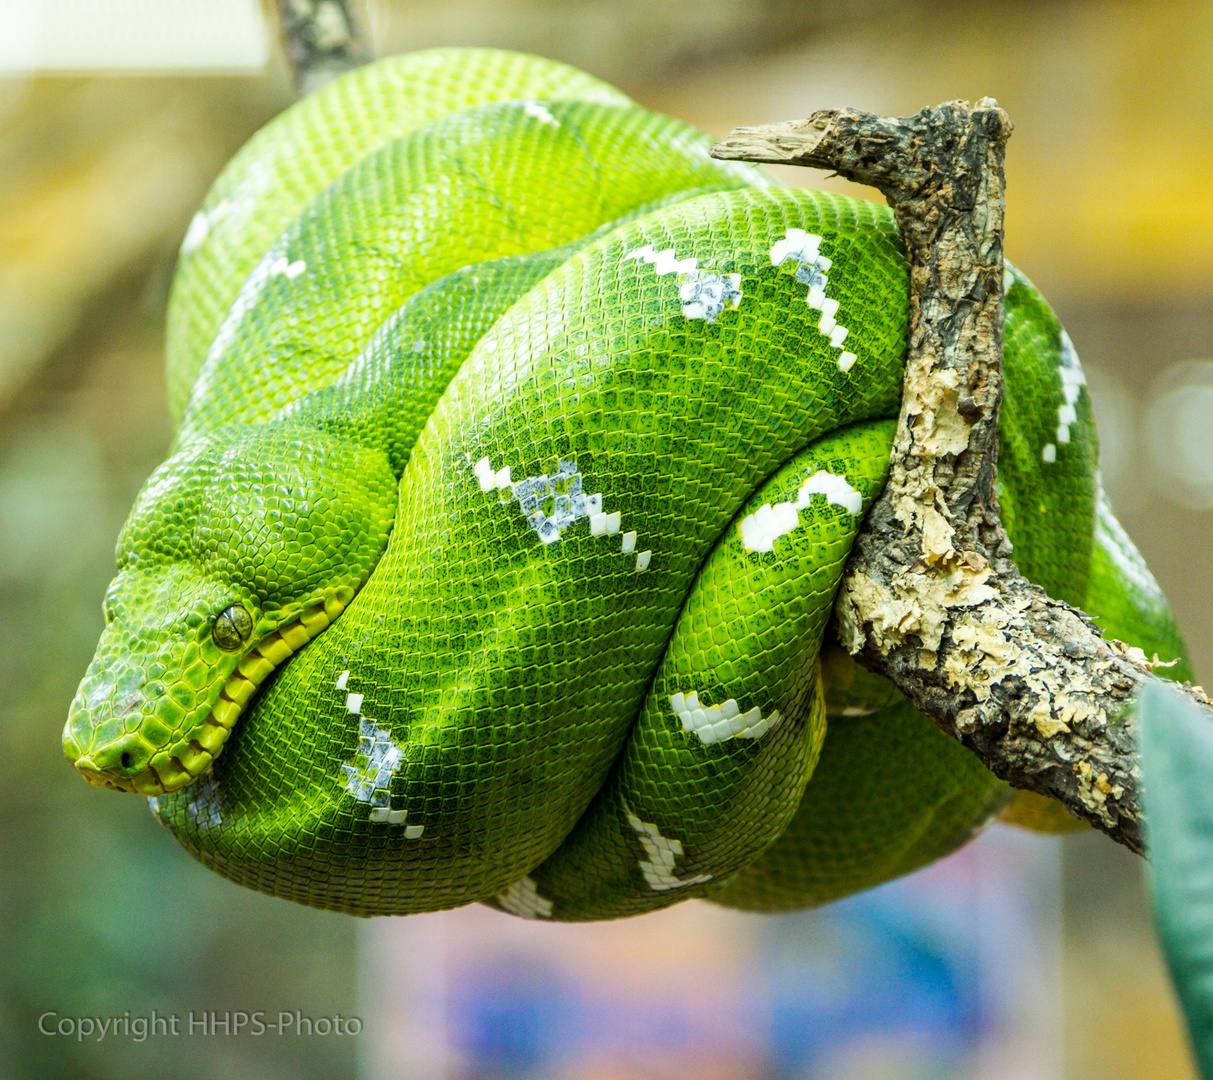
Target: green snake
x,y
519,449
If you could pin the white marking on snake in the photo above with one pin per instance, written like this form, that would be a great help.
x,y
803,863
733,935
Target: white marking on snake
x,y
827,324
1073,379
196,233
203,803
1118,547
551,502
369,776
663,853
764,526
485,474
539,111
802,247
342,680
642,561
836,489
523,899
201,223
704,293
353,703
154,805
716,723
246,300
664,262
292,270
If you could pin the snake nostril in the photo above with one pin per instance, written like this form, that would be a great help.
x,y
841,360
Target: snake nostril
x,y
126,759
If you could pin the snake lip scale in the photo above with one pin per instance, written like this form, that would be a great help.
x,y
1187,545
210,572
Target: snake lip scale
x,y
519,449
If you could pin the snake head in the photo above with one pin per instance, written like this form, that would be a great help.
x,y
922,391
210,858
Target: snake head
x,y
241,547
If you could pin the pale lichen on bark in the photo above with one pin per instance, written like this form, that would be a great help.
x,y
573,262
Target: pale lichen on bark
x,y
931,598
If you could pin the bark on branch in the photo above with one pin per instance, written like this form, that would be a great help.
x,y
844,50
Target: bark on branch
x,y
321,39
931,598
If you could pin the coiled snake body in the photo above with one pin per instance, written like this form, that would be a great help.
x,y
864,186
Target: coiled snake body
x,y
520,446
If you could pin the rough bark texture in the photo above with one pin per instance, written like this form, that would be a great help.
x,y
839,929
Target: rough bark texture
x,y
931,598
321,39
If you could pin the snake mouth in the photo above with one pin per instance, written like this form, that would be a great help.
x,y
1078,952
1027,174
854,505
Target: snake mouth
x,y
180,764
98,777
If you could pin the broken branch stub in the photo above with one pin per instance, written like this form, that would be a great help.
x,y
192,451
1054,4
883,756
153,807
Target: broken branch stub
x,y
321,39
931,598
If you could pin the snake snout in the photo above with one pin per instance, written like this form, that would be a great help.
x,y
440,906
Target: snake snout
x,y
119,765
97,741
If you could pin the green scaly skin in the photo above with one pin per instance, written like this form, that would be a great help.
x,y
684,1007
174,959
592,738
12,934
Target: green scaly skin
x,y
289,162
518,466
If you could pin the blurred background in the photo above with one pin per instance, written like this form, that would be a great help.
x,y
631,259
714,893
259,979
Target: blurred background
x,y
1020,957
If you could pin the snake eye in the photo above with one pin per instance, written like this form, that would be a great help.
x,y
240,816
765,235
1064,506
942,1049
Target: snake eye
x,y
232,628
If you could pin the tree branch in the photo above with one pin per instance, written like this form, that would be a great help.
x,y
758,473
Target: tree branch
x,y
321,39
931,598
